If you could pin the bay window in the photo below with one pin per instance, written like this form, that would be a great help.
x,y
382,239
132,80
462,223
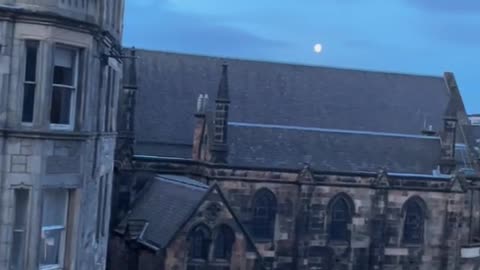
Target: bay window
x,y
53,233
65,75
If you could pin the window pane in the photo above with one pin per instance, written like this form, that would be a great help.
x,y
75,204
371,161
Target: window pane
x,y
64,66
61,103
19,228
199,243
224,243
21,206
264,211
55,203
54,207
413,224
340,218
63,76
30,77
50,243
18,250
28,102
31,61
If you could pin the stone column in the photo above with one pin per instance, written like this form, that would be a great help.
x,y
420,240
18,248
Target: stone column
x,y
378,223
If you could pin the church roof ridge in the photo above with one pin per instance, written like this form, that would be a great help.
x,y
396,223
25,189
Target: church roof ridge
x,y
332,130
287,63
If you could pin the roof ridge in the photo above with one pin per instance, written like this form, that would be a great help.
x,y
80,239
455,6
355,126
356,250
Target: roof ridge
x,y
180,182
285,63
332,130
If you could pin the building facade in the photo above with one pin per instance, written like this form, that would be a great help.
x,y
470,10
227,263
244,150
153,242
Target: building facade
x,y
325,168
60,74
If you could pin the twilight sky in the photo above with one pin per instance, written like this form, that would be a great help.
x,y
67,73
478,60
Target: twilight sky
x,y
408,36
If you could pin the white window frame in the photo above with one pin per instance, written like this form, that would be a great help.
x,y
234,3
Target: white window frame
x,y
63,237
74,88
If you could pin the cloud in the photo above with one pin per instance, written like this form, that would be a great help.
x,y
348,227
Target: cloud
x,y
163,28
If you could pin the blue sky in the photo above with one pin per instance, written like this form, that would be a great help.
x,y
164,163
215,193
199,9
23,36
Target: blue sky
x,y
408,36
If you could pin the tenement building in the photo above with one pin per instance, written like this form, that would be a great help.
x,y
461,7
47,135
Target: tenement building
x,y
60,74
234,164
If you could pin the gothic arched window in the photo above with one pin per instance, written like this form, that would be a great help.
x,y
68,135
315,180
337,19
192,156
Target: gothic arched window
x,y
340,217
264,212
199,239
225,237
414,221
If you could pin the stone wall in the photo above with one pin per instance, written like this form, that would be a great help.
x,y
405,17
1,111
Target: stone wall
x,y
242,258
125,254
37,156
301,229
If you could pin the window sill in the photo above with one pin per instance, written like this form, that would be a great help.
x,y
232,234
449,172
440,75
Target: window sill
x,y
51,267
338,243
411,245
261,240
220,262
61,127
194,262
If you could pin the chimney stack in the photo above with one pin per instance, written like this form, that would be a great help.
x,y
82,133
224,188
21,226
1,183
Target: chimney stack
x,y
199,129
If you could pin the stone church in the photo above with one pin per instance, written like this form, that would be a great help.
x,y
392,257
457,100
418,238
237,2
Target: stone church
x,y
236,164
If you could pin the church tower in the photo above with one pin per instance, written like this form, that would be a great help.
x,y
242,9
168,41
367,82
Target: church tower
x,y
60,76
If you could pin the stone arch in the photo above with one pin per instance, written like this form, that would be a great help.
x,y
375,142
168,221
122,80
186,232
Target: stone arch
x,y
264,207
340,212
414,214
224,238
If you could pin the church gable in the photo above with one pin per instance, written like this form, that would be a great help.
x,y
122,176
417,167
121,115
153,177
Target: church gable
x,y
212,236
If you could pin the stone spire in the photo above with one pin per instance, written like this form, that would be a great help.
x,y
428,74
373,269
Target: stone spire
x,y
223,92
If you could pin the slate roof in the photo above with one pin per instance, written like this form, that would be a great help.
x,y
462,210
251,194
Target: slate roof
x,y
165,206
282,94
288,147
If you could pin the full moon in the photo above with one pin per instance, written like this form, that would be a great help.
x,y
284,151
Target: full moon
x,y
317,48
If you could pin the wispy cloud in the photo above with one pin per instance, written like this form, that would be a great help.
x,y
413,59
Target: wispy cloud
x,y
183,32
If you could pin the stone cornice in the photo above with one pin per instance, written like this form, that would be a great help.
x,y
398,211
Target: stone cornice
x,y
50,18
54,134
224,172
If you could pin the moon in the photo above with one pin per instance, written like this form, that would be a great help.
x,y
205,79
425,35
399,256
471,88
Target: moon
x,y
317,48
